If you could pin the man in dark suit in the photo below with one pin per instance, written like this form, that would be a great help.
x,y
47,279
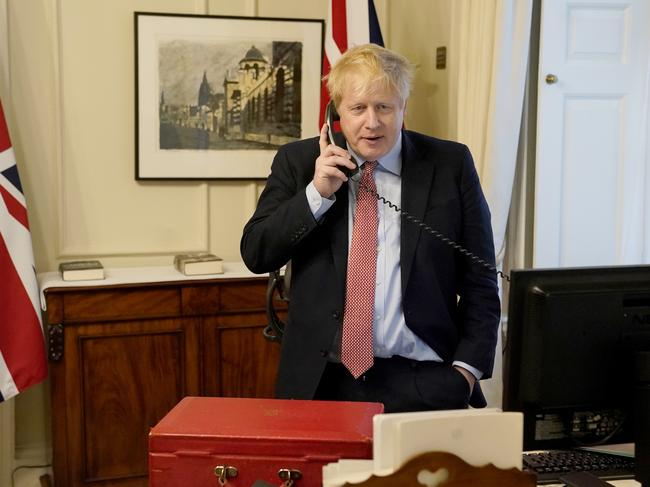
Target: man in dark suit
x,y
425,313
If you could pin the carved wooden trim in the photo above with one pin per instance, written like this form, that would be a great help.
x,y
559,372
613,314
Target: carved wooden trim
x,y
442,469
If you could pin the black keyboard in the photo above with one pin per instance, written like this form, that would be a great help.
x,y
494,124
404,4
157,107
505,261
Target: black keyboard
x,y
550,465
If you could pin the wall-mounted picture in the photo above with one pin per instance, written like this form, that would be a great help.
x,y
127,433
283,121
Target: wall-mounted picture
x,y
216,96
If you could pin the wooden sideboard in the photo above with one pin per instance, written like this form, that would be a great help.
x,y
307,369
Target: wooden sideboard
x,y
122,355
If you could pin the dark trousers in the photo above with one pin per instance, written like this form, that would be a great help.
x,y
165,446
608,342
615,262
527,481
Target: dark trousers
x,y
401,384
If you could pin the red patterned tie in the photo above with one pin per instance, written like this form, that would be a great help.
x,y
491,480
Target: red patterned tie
x,y
356,345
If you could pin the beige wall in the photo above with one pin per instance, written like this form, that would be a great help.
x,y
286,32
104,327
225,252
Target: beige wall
x,y
72,98
68,90
416,28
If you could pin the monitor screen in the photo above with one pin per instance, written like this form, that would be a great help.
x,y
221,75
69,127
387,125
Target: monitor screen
x,y
569,353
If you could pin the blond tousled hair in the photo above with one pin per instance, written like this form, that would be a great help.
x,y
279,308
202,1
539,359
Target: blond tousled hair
x,y
372,65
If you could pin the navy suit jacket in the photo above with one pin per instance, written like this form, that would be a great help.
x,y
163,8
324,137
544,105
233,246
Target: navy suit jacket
x,y
449,302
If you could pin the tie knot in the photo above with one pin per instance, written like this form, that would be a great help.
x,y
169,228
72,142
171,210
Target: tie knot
x,y
367,178
370,166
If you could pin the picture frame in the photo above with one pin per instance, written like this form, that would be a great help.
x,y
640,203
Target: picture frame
x,y
216,96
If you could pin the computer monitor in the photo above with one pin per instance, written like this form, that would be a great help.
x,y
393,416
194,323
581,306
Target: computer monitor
x,y
573,336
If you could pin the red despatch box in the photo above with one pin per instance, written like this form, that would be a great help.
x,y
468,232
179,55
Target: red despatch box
x,y
239,441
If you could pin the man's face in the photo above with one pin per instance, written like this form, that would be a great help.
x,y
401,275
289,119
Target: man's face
x,y
371,121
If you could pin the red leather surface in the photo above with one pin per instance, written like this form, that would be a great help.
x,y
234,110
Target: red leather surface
x,y
258,437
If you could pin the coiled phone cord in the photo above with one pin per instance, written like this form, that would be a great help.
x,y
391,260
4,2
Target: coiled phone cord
x,y
446,240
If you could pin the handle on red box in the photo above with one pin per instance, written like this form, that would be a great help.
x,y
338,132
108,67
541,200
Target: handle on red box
x,y
225,472
289,476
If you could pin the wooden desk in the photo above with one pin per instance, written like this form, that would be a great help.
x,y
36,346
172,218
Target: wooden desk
x,y
124,351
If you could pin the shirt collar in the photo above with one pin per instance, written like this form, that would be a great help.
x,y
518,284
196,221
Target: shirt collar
x,y
391,162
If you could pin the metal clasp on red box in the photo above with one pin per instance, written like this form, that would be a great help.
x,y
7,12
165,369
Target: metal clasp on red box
x,y
225,472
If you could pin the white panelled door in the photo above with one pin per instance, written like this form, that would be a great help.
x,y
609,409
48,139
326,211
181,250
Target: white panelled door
x,y
590,183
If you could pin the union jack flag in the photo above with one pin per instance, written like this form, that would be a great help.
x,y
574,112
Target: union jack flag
x,y
22,347
349,23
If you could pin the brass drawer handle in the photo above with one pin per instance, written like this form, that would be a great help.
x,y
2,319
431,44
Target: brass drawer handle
x,y
225,472
289,475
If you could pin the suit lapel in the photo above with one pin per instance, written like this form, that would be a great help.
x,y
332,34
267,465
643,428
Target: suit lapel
x,y
417,180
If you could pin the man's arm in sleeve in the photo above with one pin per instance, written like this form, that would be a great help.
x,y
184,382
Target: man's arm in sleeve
x,y
284,216
479,305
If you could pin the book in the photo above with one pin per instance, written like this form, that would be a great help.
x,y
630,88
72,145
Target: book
x,y
81,270
198,264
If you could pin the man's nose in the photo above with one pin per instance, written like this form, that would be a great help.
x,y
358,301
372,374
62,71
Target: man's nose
x,y
372,120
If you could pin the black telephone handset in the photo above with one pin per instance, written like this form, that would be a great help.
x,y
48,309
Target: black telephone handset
x,y
331,117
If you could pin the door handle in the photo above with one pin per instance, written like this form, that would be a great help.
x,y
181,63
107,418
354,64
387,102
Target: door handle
x,y
551,79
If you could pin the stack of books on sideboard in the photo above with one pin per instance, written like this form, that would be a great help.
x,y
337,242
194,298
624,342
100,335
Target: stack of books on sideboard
x,y
189,264
81,270
195,264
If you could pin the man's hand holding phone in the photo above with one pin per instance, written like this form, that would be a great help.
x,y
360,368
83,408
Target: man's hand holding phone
x,y
328,176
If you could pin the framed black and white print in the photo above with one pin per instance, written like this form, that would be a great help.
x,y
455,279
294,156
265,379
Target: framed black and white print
x,y
216,96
